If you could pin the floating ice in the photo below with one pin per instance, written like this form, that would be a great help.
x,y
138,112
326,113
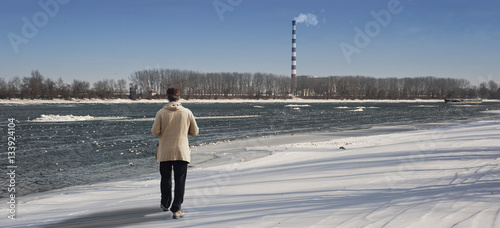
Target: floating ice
x,y
72,118
359,109
297,105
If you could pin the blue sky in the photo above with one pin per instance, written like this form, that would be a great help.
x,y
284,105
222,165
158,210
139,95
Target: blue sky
x,y
110,39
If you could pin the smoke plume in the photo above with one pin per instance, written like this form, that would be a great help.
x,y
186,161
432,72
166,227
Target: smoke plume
x,y
308,19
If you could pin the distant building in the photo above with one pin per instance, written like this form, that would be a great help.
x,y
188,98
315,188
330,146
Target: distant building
x,y
308,76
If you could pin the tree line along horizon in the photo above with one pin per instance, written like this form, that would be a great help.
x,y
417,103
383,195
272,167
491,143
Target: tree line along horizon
x,y
153,83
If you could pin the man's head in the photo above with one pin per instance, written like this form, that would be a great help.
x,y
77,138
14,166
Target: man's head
x,y
173,94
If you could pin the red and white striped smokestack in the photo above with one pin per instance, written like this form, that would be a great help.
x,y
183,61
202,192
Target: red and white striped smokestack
x,y
294,58
294,50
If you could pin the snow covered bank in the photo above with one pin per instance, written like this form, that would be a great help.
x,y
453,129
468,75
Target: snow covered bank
x,y
126,101
442,177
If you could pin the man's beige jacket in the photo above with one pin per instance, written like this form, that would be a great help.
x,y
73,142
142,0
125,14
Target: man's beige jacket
x,y
173,123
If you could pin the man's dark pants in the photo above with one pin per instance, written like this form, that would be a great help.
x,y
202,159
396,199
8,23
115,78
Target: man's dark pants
x,y
180,172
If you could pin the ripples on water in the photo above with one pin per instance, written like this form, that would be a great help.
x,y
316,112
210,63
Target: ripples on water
x,y
62,145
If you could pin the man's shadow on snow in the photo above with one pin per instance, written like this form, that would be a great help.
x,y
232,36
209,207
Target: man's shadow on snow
x,y
116,218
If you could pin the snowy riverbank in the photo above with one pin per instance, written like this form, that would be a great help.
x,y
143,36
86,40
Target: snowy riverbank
x,y
296,100
121,101
442,177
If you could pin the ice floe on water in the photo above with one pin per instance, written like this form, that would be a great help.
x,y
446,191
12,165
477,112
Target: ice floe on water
x,y
425,106
72,118
358,109
297,105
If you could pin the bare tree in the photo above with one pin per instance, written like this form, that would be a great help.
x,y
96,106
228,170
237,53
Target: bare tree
x,y
494,91
121,87
103,89
3,88
50,90
80,89
483,90
14,87
32,87
247,85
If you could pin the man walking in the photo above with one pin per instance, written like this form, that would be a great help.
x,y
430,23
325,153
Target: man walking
x,y
173,123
